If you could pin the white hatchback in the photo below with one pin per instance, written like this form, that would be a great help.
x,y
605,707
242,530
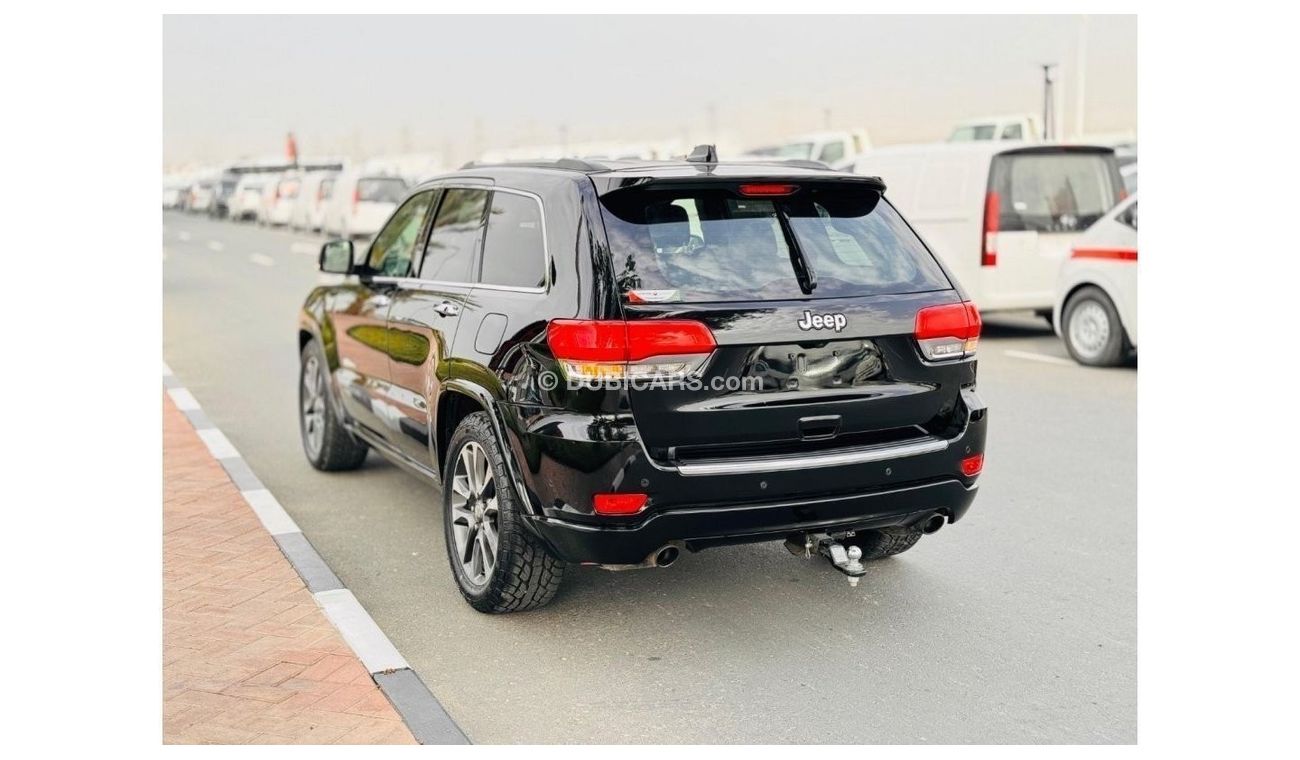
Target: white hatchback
x,y
1097,291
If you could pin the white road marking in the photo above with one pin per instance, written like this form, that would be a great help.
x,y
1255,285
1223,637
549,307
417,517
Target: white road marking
x,y
183,399
217,443
267,508
216,245
183,236
262,259
1030,356
360,631
301,246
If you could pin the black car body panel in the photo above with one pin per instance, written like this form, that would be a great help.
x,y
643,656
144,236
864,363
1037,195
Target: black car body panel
x,y
409,357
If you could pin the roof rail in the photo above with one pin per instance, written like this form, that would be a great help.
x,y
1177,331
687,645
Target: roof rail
x,y
570,164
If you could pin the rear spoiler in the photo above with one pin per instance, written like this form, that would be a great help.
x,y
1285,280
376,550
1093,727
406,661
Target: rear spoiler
x,y
623,183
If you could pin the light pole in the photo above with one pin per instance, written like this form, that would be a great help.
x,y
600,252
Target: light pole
x,y
1049,120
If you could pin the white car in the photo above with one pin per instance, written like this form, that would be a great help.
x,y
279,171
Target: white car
x,y
835,149
1001,215
279,197
312,196
246,198
361,203
201,196
171,196
1096,301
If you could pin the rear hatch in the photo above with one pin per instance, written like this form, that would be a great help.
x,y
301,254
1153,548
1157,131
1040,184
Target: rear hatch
x,y
811,290
1039,201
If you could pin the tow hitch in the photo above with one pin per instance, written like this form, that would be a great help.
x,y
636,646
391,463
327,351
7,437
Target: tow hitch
x,y
847,560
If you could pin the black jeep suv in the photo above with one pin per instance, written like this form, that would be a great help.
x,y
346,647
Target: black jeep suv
x,y
610,362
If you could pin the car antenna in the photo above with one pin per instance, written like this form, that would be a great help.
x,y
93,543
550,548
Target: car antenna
x,y
703,154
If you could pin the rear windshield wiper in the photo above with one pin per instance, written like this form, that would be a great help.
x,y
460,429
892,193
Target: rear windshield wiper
x,y
803,270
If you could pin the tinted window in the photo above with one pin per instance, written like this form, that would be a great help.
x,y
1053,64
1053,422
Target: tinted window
x,y
714,245
513,251
381,190
390,254
1012,132
457,230
832,152
1054,192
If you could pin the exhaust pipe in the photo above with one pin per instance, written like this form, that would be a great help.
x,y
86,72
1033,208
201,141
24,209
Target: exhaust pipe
x,y
933,523
666,556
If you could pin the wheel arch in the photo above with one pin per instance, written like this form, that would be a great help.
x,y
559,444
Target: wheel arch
x,y
458,399
1092,281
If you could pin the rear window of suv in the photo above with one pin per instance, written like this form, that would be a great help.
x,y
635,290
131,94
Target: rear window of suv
x,y
715,245
1054,192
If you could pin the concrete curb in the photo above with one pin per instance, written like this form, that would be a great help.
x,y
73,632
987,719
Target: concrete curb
x,y
420,710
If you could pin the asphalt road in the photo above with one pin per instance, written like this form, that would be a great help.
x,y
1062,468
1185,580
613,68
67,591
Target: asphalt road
x,y
1017,625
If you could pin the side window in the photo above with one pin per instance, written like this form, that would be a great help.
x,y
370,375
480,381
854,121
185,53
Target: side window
x,y
1130,216
514,251
832,152
457,230
390,254
1012,132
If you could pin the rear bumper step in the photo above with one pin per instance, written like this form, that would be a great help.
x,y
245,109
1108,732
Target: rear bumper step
x,y
860,455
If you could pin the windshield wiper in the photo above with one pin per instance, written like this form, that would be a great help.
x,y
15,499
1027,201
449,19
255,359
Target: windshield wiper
x,y
803,270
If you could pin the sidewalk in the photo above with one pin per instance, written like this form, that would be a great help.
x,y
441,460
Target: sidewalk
x,y
248,655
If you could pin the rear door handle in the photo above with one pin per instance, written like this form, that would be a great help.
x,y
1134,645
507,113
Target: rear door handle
x,y
447,309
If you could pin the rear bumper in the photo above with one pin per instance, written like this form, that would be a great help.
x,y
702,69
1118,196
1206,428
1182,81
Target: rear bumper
x,y
565,458
699,528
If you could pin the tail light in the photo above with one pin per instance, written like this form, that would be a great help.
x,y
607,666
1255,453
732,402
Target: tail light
x,y
618,503
951,331
614,350
992,213
767,189
972,466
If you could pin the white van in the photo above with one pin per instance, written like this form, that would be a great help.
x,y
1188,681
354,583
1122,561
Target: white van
x,y
1001,215
360,203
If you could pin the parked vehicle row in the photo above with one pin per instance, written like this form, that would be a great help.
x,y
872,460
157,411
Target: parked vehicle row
x,y
352,203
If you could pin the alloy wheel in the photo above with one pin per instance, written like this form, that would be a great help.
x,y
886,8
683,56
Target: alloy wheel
x,y
475,517
313,406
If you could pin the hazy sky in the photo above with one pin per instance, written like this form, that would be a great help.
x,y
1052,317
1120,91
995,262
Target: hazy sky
x,y
233,86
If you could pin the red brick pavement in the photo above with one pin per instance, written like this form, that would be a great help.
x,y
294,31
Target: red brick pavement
x,y
248,656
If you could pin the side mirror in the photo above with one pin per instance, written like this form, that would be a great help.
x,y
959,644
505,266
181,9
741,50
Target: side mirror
x,y
336,257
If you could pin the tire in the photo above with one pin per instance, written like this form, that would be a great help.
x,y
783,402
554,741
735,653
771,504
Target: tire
x,y
1091,328
518,573
885,542
328,445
